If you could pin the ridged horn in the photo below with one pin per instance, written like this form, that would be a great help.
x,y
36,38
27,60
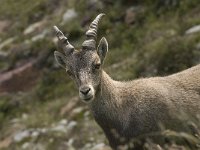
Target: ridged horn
x,y
91,34
67,47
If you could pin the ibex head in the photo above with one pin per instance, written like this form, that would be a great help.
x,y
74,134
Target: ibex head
x,y
84,66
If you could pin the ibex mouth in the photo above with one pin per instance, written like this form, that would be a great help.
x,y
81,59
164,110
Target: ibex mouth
x,y
88,99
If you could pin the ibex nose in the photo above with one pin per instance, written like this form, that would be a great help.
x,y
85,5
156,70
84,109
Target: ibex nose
x,y
85,90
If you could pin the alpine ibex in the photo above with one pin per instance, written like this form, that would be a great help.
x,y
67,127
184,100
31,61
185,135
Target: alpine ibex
x,y
126,110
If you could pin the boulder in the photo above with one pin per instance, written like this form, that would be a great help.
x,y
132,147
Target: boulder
x,y
34,27
7,42
69,15
4,24
193,29
132,13
19,79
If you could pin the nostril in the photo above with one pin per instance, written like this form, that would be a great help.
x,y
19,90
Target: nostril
x,y
85,90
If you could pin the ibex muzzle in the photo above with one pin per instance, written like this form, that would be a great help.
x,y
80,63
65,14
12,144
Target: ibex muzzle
x,y
83,65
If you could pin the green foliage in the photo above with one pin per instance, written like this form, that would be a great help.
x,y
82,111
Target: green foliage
x,y
23,12
55,85
4,107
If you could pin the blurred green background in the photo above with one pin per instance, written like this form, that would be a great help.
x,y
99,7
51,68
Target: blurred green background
x,y
39,105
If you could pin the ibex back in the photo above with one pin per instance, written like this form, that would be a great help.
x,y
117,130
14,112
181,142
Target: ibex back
x,y
126,110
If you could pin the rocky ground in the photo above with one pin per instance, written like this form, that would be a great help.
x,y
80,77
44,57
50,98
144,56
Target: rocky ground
x,y
39,107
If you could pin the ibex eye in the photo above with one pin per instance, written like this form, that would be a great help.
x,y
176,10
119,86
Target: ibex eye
x,y
97,66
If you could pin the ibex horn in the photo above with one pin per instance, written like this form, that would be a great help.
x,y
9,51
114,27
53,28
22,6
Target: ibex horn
x,y
67,47
91,34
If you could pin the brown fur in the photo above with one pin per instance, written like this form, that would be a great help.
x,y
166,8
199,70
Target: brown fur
x,y
140,106
126,110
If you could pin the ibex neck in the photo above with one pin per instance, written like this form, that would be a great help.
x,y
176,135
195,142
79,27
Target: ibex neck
x,y
107,89
107,95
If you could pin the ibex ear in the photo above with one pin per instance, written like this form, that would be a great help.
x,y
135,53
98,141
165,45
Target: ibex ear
x,y
61,59
102,48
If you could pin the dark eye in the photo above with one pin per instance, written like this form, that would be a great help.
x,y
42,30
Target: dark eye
x,y
97,66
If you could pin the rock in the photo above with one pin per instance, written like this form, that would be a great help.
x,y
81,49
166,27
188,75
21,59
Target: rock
x,y
75,112
5,143
33,146
37,146
101,146
7,42
26,145
55,40
71,125
35,134
59,128
43,130
86,115
193,29
131,14
94,5
62,126
63,122
70,144
18,137
69,15
78,110
150,145
24,116
174,147
198,46
69,106
4,24
3,55
70,148
19,79
87,146
40,36
51,140
15,121
98,146
33,27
